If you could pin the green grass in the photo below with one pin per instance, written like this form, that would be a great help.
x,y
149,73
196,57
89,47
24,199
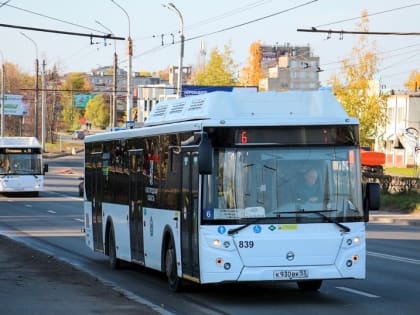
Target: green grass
x,y
400,171
403,202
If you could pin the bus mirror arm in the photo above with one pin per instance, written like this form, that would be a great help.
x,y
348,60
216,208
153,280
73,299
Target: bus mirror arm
x,y
205,155
45,168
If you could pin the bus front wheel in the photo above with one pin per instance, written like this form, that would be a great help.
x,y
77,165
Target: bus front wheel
x,y
171,268
114,262
312,285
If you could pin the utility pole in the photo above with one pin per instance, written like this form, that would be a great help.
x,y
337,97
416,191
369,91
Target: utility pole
x,y
43,107
113,114
36,86
36,96
113,106
3,87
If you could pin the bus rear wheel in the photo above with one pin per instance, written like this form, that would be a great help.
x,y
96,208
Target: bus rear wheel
x,y
114,262
171,268
312,285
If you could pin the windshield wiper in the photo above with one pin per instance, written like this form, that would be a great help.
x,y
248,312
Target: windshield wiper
x,y
237,229
328,219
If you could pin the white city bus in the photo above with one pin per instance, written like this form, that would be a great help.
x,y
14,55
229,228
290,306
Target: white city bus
x,y
207,190
21,167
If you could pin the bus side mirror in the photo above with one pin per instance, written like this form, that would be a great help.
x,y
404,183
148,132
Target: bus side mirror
x,y
371,200
205,155
45,168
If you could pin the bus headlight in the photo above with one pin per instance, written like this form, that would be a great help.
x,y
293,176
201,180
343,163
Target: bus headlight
x,y
355,240
218,243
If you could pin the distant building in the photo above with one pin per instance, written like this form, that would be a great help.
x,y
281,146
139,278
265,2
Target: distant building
x,y
102,80
149,95
289,68
403,111
173,75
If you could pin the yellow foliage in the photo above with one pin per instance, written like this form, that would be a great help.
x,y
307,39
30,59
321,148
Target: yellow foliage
x,y
355,91
252,72
219,70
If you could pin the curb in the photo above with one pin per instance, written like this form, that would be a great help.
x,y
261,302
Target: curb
x,y
396,219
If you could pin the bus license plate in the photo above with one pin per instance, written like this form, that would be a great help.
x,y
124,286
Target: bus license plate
x,y
291,274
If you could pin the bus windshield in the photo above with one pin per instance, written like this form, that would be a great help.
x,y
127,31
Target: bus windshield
x,y
20,164
291,183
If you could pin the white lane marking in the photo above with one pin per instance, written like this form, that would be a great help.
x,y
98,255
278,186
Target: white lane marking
x,y
358,292
51,211
28,206
80,220
395,258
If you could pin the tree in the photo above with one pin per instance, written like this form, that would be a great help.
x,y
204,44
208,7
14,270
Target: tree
x,y
74,83
413,81
219,70
53,101
97,112
355,91
17,82
252,72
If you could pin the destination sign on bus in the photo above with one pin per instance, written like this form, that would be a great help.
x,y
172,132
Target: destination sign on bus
x,y
305,135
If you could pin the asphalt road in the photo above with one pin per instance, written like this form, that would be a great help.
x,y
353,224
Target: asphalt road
x,y
54,221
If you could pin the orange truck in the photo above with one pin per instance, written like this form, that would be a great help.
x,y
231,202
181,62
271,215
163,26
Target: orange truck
x,y
372,162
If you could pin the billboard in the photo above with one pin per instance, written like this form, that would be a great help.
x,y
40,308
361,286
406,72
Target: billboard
x,y
81,100
13,105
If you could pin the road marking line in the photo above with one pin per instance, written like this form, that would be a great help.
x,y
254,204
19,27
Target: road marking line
x,y
80,220
358,292
51,211
395,258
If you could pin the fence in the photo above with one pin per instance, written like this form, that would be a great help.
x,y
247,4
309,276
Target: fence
x,y
393,184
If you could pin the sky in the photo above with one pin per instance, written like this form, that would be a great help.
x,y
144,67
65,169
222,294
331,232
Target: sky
x,y
150,24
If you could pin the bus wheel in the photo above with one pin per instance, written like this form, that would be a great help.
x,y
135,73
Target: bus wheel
x,y
312,285
114,262
171,269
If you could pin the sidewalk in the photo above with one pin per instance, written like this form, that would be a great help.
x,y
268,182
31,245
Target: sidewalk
x,y
394,218
32,282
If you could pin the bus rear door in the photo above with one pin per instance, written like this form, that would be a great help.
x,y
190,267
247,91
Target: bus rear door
x,y
136,188
97,196
189,214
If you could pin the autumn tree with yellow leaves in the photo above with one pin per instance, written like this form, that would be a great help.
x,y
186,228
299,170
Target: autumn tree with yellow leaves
x,y
252,72
413,82
219,70
354,87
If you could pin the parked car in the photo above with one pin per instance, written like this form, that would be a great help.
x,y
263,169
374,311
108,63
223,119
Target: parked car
x,y
78,135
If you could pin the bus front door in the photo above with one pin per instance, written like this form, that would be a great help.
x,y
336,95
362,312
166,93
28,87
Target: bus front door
x,y
136,188
189,215
97,196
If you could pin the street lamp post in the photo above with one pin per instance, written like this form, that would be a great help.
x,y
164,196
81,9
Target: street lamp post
x,y
36,84
172,7
129,68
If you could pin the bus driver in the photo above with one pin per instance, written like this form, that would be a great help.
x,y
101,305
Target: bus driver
x,y
309,190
